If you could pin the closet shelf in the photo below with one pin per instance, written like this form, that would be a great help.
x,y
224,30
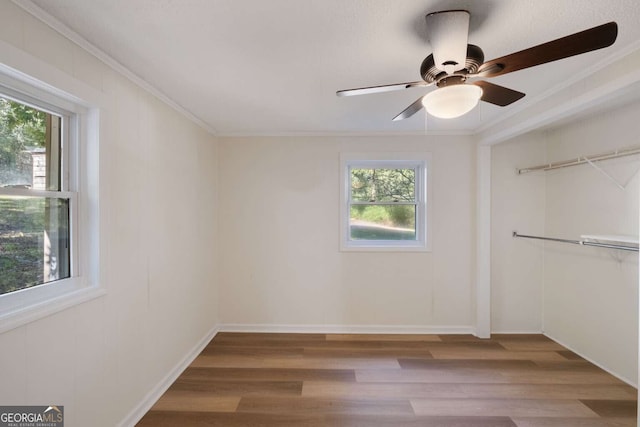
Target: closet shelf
x,y
582,160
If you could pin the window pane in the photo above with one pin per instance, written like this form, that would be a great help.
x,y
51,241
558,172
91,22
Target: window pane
x,y
29,147
382,222
383,185
34,241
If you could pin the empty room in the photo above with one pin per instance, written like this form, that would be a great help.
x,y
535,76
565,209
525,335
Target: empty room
x,y
319,213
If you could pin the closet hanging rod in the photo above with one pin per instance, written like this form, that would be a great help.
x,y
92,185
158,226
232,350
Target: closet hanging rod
x,y
581,160
579,242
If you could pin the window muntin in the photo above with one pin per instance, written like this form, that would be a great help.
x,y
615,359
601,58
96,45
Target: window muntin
x,y
35,204
384,203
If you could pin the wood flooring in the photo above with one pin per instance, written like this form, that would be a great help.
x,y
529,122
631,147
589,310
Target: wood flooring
x,y
251,379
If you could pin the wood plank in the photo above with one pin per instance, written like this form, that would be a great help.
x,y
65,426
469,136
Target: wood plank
x,y
413,421
531,345
238,388
580,365
481,353
268,374
383,337
222,419
297,405
195,401
494,338
355,344
332,363
429,376
501,407
430,363
239,419
574,422
294,362
228,361
349,340
613,408
368,353
328,389
560,377
570,355
251,351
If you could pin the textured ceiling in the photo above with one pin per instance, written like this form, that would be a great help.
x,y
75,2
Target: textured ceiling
x,y
272,67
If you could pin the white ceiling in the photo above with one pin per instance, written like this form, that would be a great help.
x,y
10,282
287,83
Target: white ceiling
x,y
272,67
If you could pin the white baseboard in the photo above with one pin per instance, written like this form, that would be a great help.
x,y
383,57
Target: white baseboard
x,y
148,401
518,332
632,383
346,329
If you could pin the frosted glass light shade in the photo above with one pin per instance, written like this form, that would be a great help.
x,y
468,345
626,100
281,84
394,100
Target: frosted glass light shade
x,y
452,101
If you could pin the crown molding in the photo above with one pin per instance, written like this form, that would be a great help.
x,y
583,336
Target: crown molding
x,y
83,43
344,134
486,130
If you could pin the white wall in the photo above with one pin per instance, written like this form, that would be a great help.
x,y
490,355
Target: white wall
x,y
517,265
590,297
281,265
158,183
585,298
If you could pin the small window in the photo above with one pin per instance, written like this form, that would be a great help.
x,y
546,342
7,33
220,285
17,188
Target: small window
x,y
384,202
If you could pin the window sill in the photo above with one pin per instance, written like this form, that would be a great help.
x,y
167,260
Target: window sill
x,y
369,247
14,319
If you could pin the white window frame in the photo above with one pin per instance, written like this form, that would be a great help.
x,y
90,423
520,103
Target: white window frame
x,y
395,160
30,81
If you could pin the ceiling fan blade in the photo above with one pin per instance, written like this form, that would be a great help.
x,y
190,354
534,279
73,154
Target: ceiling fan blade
x,y
585,41
498,95
410,110
382,88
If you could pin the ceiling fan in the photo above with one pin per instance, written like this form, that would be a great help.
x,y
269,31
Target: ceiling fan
x,y
454,62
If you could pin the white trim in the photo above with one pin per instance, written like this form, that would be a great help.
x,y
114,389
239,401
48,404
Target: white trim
x,y
76,38
161,387
604,368
461,132
25,75
517,332
13,320
346,329
483,241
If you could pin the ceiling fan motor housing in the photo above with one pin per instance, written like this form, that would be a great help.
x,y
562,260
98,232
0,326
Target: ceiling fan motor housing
x,y
430,73
448,31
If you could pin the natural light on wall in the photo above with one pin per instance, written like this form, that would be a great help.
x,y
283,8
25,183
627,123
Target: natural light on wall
x,y
452,101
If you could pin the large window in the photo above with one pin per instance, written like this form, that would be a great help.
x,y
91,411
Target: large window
x,y
384,202
35,196
49,194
